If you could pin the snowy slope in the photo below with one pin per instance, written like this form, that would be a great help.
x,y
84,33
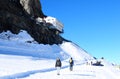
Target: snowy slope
x,y
18,45
22,60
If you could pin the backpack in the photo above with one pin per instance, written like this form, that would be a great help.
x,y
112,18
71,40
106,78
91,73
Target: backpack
x,y
71,61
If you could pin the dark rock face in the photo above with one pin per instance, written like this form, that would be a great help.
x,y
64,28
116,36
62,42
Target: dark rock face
x,y
16,15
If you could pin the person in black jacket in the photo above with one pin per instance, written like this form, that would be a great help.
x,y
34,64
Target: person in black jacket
x,y
58,65
71,62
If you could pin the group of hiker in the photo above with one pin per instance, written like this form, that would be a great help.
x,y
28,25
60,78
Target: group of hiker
x,y
58,65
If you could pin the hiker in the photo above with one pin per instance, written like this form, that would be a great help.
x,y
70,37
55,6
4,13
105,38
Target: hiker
x,y
71,62
89,62
58,65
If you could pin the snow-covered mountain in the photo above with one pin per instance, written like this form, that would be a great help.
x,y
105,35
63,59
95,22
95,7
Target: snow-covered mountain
x,y
23,54
23,58
24,44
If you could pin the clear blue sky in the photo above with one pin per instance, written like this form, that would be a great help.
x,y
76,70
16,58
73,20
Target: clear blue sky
x,y
92,24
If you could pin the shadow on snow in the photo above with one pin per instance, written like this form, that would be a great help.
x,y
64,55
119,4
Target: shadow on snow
x,y
28,73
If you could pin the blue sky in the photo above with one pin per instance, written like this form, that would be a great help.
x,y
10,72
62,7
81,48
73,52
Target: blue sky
x,y
92,24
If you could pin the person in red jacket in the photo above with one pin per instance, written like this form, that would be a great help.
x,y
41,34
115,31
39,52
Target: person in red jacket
x,y
58,65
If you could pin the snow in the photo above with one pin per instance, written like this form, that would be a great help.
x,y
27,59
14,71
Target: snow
x,y
70,48
55,24
22,60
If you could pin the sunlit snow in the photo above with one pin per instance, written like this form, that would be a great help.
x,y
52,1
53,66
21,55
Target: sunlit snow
x,y
20,59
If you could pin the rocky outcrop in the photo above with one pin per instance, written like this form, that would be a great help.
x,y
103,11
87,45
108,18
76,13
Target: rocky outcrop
x,y
16,15
33,8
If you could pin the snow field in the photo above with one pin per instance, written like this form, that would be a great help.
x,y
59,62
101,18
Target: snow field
x,y
22,60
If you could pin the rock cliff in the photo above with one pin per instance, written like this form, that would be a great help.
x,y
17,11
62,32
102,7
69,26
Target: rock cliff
x,y
16,15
